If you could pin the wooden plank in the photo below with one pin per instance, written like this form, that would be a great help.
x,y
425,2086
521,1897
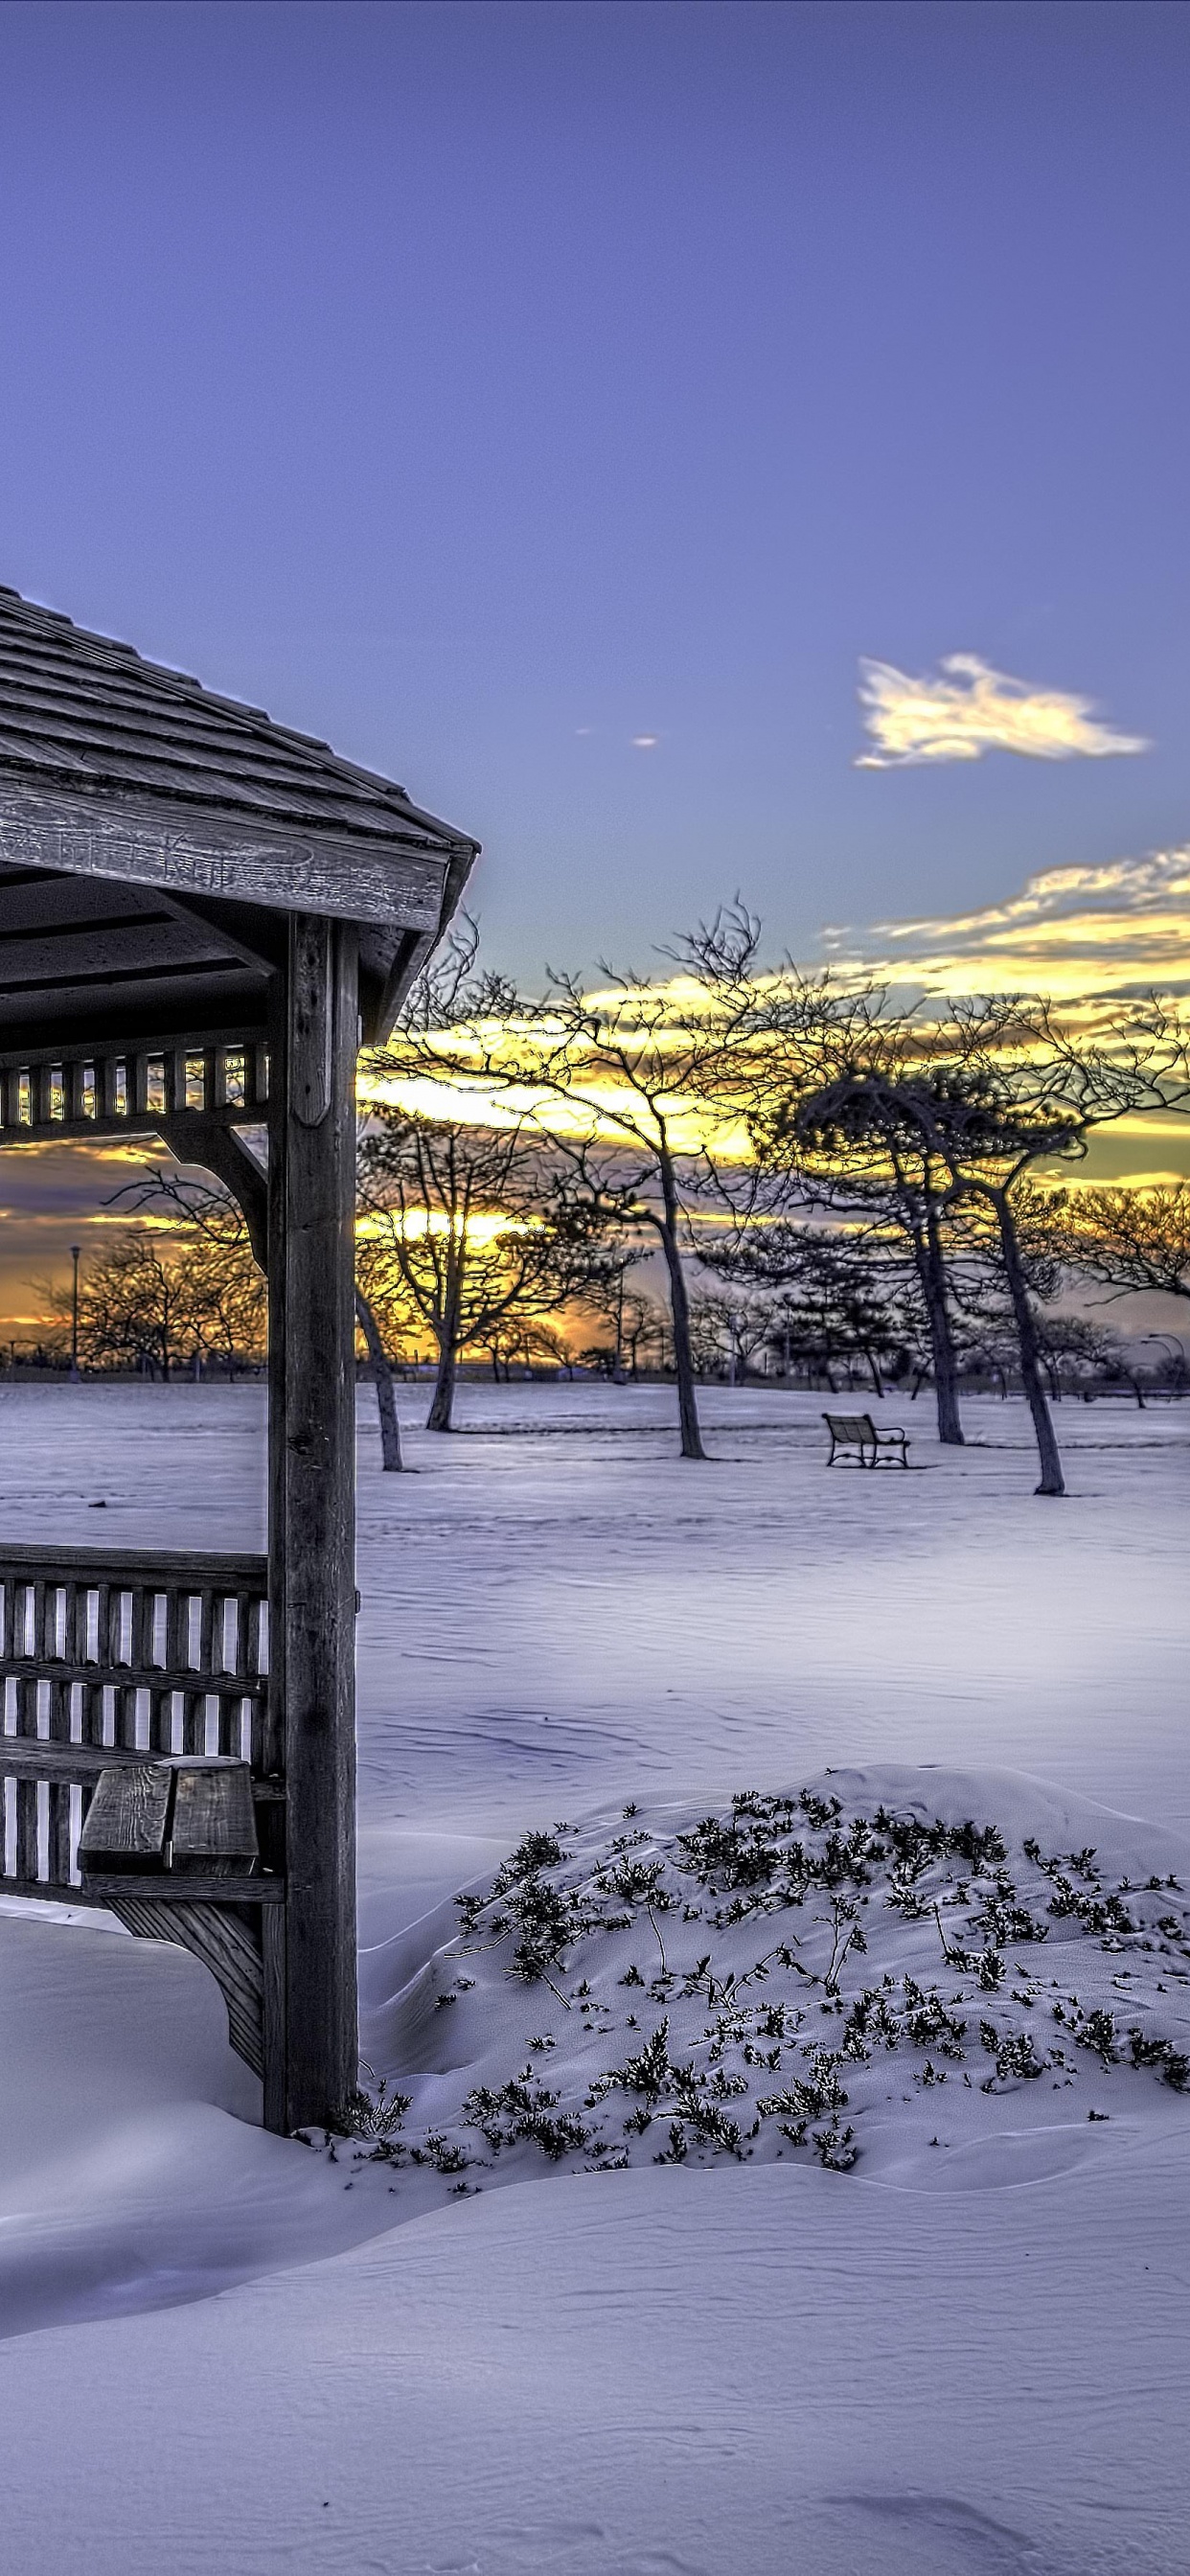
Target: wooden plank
x,y
45,903
228,1947
59,1794
136,1019
264,1747
127,1818
192,1127
27,1696
163,1679
94,949
275,2073
214,1823
312,1511
255,936
214,1571
375,875
40,1891
170,1888
82,1764
238,1037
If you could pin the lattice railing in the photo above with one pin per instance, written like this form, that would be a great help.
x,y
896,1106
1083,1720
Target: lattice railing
x,y
106,1659
100,1090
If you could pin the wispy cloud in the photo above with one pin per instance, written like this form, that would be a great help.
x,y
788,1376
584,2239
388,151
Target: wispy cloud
x,y
972,709
1082,933
1089,936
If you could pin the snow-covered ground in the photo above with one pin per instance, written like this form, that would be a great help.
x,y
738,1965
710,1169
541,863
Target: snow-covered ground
x,y
233,2352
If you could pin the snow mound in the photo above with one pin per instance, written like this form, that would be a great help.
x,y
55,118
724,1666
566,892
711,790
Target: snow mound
x,y
888,1971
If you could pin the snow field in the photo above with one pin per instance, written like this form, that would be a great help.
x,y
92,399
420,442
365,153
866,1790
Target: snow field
x,y
958,2358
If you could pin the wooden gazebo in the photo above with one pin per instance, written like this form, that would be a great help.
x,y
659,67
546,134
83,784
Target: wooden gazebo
x,y
202,917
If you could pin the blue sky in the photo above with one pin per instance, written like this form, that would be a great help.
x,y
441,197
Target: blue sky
x,y
557,407
490,388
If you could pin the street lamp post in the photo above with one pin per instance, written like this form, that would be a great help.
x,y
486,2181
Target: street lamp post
x,y
75,1250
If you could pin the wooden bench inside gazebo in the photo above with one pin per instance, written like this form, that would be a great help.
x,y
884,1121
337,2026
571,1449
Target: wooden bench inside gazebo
x,y
202,917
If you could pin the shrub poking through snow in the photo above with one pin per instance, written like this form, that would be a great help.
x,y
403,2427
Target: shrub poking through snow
x,y
524,2109
677,2033
1147,2050
376,2113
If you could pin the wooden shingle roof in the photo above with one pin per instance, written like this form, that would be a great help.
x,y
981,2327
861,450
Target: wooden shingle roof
x,y
151,832
87,713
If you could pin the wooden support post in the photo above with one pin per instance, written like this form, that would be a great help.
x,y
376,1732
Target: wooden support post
x,y
312,1514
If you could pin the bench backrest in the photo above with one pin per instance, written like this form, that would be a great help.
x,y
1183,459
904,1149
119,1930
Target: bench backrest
x,y
856,1427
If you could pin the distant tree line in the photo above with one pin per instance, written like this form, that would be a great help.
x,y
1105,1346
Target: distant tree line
x,y
835,1185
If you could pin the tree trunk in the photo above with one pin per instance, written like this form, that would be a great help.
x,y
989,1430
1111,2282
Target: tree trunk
x,y
1052,1479
932,1272
442,1401
382,1379
874,1372
679,1307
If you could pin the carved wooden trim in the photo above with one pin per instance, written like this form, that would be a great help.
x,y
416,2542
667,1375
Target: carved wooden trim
x,y
197,850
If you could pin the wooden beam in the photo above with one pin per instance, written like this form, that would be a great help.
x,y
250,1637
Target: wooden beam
x,y
213,1571
181,1035
160,1021
410,956
215,1147
197,850
213,1827
76,954
187,1889
23,1758
256,936
312,1505
126,1820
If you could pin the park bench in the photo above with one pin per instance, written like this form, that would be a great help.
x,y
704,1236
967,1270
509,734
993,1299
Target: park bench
x,y
858,1431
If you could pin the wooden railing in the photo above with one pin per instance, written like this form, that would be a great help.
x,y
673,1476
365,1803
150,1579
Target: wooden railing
x,y
110,1659
110,1090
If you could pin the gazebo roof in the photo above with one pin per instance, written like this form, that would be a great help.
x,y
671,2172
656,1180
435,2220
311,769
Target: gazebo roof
x,y
88,713
115,769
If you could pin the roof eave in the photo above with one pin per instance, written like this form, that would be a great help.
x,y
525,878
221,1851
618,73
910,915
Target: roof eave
x,y
408,877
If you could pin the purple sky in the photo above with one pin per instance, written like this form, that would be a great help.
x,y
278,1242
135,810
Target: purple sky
x,y
487,387
449,379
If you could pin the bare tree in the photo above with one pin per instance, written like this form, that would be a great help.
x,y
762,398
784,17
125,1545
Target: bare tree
x,y
219,1293
134,1311
620,1080
475,1226
607,1293
1131,1240
842,1292
637,1320
371,1326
